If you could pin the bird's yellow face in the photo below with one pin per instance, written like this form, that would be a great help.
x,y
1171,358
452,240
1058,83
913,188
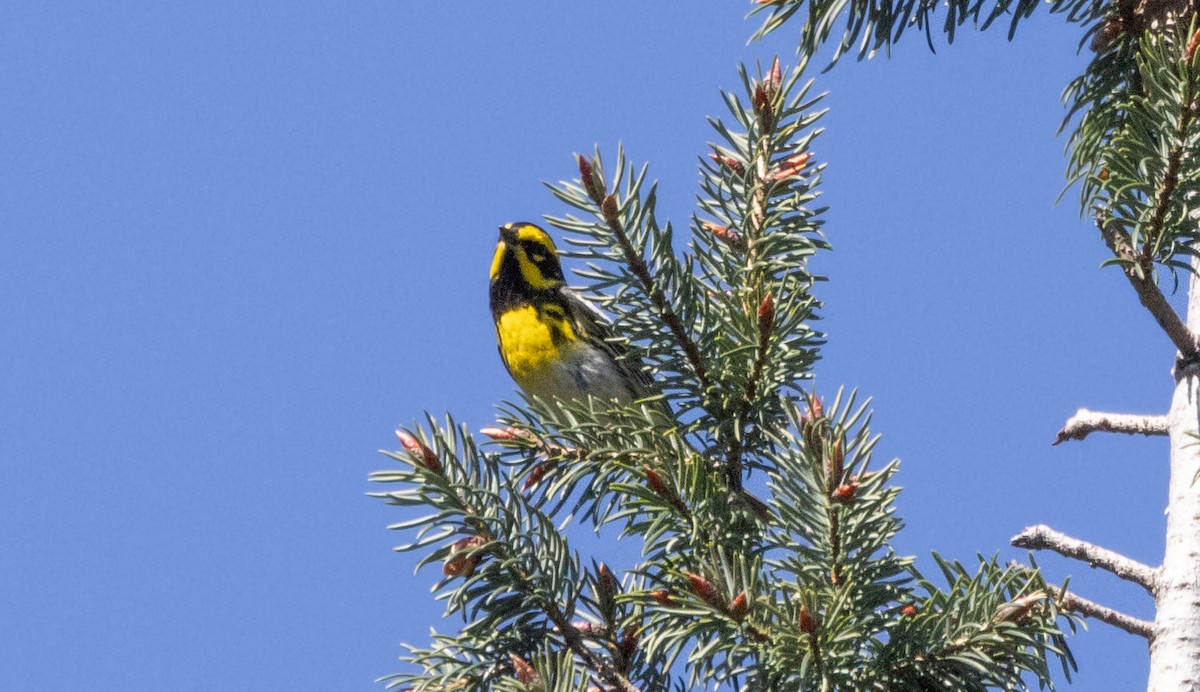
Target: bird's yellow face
x,y
526,255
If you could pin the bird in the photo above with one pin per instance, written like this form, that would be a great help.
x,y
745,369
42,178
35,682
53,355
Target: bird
x,y
555,344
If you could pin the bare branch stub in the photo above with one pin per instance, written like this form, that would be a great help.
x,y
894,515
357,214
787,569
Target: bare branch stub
x,y
1085,422
1091,609
1042,537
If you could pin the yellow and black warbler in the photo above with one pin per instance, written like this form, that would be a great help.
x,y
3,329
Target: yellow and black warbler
x,y
553,342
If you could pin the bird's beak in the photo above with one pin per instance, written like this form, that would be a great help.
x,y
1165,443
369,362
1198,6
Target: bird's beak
x,y
508,234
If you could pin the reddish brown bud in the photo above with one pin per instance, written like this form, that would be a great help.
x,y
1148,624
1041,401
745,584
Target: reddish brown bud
x,y
763,108
727,235
628,641
500,434
789,167
592,183
836,466
844,494
661,597
655,482
737,609
766,315
536,474
1108,33
609,208
463,558
800,159
704,589
522,670
908,610
815,409
419,451
607,585
1104,174
774,77
812,425
728,162
1191,46
808,624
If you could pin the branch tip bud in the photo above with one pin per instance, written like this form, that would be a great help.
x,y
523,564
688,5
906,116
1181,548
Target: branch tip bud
x,y
704,589
808,624
536,474
737,609
609,208
726,235
463,559
728,162
522,669
593,184
419,451
766,316
844,494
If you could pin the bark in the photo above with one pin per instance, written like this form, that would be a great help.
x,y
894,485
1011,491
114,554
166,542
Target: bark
x,y
1175,644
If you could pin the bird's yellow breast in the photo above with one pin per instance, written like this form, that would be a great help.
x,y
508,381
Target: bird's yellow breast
x,y
531,341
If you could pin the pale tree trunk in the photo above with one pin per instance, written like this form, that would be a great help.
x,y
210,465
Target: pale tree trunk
x,y
1175,645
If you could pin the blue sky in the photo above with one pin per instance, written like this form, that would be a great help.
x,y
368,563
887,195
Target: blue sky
x,y
242,241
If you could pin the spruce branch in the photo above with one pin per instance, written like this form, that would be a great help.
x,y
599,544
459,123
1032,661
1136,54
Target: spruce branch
x,y
574,640
1091,609
1170,180
637,265
1042,537
766,320
1085,422
985,630
1138,271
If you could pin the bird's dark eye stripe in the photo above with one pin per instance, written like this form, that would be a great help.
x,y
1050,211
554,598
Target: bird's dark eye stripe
x,y
532,247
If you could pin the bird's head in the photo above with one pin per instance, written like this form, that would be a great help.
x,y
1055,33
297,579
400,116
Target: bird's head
x,y
526,255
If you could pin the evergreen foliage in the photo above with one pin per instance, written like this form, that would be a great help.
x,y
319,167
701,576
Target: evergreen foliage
x,y
802,591
1132,110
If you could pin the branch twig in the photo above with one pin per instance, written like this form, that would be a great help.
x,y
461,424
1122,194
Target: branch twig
x,y
1107,615
1139,271
574,640
1085,422
1042,537
638,266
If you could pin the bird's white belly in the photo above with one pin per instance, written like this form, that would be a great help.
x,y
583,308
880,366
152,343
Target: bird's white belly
x,y
581,371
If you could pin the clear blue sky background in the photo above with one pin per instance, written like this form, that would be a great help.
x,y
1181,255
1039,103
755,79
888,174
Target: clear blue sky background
x,y
241,241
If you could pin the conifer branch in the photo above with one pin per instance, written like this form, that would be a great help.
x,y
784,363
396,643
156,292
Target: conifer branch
x,y
766,320
574,640
638,266
1042,537
1139,271
1091,609
1085,422
1170,181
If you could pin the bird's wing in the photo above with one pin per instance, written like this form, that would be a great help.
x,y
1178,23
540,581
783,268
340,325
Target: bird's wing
x,y
590,321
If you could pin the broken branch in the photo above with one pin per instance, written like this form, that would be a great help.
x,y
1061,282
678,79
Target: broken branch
x,y
1042,537
1085,422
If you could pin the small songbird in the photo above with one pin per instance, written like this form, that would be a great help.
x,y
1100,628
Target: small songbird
x,y
553,342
